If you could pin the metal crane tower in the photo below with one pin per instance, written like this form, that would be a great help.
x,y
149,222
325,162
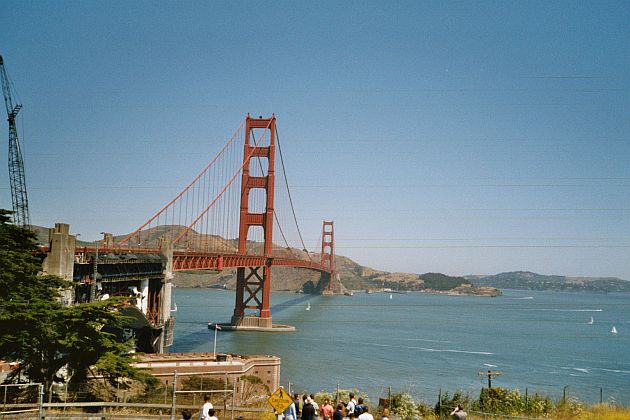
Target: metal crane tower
x,y
16,164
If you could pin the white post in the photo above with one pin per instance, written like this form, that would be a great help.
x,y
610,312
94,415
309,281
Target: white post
x,y
40,401
215,342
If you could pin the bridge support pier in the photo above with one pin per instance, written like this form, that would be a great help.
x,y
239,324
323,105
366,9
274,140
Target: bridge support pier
x,y
252,292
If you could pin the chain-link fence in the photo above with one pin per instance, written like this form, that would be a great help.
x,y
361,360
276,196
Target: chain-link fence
x,y
232,396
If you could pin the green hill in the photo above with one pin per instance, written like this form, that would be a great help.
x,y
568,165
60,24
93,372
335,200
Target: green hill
x,y
526,280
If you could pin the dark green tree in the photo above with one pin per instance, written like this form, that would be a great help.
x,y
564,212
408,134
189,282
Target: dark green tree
x,y
39,332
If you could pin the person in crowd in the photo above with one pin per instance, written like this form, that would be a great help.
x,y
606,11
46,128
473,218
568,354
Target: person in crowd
x,y
358,409
459,413
385,415
308,411
296,401
211,414
290,412
365,413
338,414
207,405
315,405
186,415
327,410
350,406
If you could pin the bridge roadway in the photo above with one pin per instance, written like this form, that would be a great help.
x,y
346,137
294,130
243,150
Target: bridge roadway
x,y
190,260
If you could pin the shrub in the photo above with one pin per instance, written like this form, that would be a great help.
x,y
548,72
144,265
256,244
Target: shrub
x,y
446,404
512,402
404,407
571,408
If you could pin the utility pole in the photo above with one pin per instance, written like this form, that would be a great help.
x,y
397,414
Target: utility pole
x,y
17,180
490,375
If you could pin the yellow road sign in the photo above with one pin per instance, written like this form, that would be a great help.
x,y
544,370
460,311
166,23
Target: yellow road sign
x,y
280,400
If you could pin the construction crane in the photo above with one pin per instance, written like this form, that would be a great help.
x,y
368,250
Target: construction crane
x,y
16,164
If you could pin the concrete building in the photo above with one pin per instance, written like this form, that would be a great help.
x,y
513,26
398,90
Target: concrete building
x,y
232,366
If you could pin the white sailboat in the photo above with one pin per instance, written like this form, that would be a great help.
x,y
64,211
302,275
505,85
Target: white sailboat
x,y
614,330
391,296
591,321
308,306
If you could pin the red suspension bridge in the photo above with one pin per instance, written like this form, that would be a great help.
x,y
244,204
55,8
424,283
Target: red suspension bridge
x,y
228,217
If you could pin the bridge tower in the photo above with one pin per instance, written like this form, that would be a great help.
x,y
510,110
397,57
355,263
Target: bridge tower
x,y
328,254
253,287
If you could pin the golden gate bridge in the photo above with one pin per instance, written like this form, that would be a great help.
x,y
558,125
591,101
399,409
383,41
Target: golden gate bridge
x,y
228,217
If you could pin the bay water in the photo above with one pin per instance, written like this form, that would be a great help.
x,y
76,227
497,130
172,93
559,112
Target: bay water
x,y
421,343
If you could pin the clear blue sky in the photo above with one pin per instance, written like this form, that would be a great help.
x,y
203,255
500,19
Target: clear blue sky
x,y
459,137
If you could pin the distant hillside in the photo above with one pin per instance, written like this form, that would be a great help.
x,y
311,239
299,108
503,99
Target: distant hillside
x,y
527,280
351,275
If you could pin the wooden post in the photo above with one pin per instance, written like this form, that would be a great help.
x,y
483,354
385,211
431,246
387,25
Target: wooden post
x,y
490,375
174,401
225,393
233,397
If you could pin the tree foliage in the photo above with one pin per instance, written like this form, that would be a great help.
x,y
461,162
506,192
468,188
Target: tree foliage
x,y
438,281
39,332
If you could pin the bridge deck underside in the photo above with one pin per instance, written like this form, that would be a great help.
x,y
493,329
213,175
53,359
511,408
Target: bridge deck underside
x,y
209,261
212,261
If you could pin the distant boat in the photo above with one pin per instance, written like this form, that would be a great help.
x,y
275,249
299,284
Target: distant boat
x,y
391,296
308,306
591,321
614,330
175,308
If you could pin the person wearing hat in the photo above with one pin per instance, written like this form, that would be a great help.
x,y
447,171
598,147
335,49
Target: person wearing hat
x,y
308,411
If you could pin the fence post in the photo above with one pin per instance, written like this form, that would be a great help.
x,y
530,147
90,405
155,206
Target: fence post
x,y
601,395
174,402
41,401
225,394
233,397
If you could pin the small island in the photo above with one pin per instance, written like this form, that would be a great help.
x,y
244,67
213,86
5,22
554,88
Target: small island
x,y
435,283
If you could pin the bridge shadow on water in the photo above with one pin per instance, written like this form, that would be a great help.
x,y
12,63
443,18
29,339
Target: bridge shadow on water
x,y
191,341
289,303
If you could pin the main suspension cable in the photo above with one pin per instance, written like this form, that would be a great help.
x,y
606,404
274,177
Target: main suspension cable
x,y
286,181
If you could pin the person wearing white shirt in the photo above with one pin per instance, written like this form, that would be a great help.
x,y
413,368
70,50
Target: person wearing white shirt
x,y
205,408
350,406
365,415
